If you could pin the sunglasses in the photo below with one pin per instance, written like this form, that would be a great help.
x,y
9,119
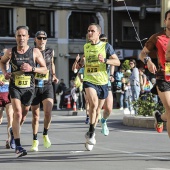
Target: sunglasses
x,y
40,38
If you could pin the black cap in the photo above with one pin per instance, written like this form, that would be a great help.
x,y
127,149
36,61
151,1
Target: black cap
x,y
41,33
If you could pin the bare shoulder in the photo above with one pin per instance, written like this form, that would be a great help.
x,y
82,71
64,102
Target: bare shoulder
x,y
36,50
7,53
36,53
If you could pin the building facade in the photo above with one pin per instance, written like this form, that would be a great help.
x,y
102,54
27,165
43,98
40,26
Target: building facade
x,y
127,23
65,21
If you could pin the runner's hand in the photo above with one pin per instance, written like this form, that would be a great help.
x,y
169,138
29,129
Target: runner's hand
x,y
151,67
7,76
1,83
101,58
25,67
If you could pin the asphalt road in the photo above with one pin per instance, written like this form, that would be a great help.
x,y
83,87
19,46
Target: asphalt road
x,y
126,148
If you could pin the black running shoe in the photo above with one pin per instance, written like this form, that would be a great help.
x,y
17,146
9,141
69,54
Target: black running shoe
x,y
20,151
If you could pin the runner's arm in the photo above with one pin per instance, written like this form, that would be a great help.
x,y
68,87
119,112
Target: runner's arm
x,y
5,60
40,60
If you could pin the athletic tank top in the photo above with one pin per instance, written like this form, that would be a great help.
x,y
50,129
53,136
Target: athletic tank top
x,y
95,72
19,78
5,87
45,79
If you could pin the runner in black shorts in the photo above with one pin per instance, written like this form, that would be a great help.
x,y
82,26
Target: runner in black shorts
x,y
160,42
97,56
43,92
22,59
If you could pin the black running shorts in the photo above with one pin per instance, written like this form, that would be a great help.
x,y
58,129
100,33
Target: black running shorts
x,y
163,85
25,95
42,93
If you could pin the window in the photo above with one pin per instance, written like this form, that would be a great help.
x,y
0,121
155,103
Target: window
x,y
78,24
129,32
6,22
40,20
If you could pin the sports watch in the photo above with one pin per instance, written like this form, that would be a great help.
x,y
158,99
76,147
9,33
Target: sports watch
x,y
33,69
105,60
146,59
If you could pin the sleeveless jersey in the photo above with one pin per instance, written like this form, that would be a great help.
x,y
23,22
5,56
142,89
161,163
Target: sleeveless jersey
x,y
95,72
45,79
19,78
5,87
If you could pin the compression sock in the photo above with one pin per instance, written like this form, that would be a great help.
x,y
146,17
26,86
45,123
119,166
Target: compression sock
x,y
35,136
45,131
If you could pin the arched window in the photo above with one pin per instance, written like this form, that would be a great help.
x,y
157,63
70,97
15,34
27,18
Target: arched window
x,y
40,20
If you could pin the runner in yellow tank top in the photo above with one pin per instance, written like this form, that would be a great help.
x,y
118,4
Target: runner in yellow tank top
x,y
97,56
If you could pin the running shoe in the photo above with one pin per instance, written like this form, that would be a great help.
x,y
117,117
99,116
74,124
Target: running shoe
x,y
105,130
7,144
12,141
35,144
46,140
87,120
121,108
20,151
90,138
158,122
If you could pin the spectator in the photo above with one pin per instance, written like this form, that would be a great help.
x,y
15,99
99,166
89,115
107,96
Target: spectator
x,y
134,81
117,83
61,90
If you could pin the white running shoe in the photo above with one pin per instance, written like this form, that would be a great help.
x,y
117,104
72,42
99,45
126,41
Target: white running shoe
x,y
91,140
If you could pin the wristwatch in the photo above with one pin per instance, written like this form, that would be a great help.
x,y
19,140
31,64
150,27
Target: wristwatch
x,y
105,60
33,69
146,59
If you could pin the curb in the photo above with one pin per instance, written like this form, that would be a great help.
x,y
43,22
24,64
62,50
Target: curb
x,y
139,121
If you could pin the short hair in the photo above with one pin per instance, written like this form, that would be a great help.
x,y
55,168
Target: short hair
x,y
166,14
22,27
97,25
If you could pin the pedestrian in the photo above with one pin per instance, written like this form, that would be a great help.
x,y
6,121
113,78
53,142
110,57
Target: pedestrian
x,y
160,42
43,92
98,55
22,59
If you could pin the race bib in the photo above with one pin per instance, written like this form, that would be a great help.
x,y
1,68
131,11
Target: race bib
x,y
22,81
92,70
167,71
42,76
167,68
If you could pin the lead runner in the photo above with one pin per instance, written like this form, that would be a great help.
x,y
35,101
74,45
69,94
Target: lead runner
x,y
22,59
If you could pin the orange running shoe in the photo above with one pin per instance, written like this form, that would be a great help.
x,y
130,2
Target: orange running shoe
x,y
158,122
